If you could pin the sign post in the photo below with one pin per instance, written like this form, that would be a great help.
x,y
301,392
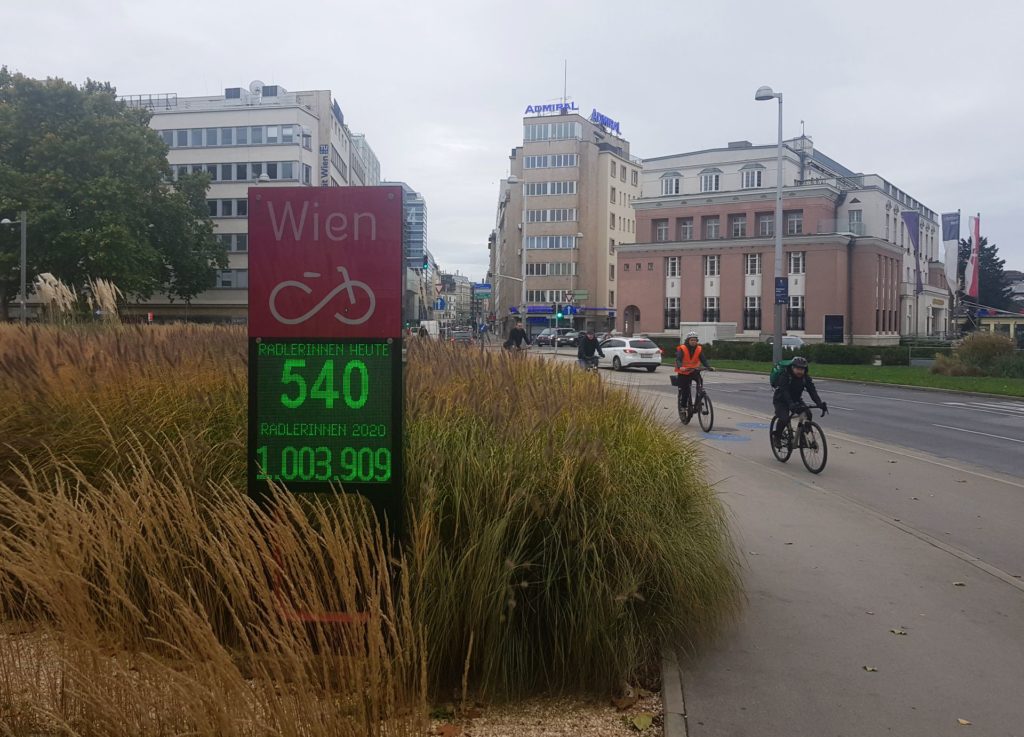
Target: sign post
x,y
325,352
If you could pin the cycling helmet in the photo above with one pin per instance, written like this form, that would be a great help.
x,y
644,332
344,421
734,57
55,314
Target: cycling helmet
x,y
799,362
692,334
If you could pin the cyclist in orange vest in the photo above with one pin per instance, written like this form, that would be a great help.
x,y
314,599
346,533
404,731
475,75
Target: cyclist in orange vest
x,y
689,357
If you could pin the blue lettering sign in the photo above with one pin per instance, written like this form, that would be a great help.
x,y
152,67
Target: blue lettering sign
x,y
325,165
603,120
557,107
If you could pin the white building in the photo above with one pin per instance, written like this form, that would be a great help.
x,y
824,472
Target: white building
x,y
256,134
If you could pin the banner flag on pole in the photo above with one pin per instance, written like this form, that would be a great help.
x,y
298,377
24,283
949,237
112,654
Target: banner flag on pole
x,y
951,246
971,273
913,223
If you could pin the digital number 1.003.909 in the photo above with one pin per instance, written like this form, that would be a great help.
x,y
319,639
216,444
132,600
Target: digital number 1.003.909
x,y
321,463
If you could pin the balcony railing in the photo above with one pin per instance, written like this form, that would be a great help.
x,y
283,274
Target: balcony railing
x,y
671,319
751,319
841,226
794,319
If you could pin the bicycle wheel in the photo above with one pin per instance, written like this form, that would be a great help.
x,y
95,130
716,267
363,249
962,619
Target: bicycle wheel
x,y
705,413
782,454
813,447
681,406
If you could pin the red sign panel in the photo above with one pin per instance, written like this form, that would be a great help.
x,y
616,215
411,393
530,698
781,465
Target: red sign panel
x,y
325,262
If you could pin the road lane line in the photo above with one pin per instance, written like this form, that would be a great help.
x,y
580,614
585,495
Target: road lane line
x,y
975,432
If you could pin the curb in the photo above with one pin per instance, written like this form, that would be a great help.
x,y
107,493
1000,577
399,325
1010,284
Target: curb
x,y
673,706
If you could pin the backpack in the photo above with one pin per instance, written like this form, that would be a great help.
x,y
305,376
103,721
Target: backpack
x,y
777,369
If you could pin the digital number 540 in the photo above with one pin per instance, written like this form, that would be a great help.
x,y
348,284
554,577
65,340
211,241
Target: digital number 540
x,y
355,384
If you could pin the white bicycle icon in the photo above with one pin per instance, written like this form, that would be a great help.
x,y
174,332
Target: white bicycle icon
x,y
347,285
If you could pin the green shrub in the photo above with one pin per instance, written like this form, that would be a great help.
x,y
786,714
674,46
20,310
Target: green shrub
x,y
954,366
1009,367
984,349
556,525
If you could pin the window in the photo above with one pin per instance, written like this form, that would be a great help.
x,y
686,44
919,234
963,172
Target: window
x,y
635,177
227,136
625,267
552,131
671,313
752,264
232,279
196,137
287,134
211,207
857,222
226,171
307,174
672,266
712,265
661,230
613,197
622,172
534,242
671,184
796,262
711,312
307,139
182,137
650,266
638,266
242,208
257,134
795,222
710,227
611,221
766,224
738,226
795,313
611,272
611,246
181,170
242,135
167,137
287,170
272,169
272,134
560,215
710,180
241,172
684,226
751,313
211,136
241,242
613,170
611,298
227,208
751,178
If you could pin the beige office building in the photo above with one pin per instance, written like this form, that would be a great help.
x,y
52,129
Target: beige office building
x,y
261,135
562,211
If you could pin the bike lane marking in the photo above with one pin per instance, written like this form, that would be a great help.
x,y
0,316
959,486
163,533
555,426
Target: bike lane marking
x,y
975,432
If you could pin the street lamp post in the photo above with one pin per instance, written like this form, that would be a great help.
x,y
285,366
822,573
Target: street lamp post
x,y
763,94
22,295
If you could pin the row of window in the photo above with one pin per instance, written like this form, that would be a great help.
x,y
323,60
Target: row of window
x,y
234,208
793,222
536,242
339,163
541,296
797,261
627,225
248,172
621,169
712,311
557,215
620,198
246,135
552,131
234,242
534,189
550,161
555,268
232,279
711,180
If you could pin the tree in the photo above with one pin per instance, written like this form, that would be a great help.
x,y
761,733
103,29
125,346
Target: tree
x,y
993,287
94,179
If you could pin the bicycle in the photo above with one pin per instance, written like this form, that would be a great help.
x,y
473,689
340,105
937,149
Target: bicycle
x,y
589,364
807,436
700,405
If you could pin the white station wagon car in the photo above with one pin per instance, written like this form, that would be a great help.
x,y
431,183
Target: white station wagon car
x,y
621,352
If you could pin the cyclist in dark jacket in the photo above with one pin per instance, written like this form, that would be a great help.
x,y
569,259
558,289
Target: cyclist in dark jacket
x,y
517,336
788,395
588,346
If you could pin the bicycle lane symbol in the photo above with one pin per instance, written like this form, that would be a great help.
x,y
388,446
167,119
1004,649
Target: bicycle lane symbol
x,y
347,285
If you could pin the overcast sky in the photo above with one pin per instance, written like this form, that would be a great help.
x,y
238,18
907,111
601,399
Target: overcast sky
x,y
925,94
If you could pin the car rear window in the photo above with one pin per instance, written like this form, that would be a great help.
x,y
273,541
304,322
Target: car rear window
x,y
643,344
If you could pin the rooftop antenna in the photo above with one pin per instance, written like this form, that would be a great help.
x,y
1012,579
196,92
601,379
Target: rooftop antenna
x,y
802,134
565,83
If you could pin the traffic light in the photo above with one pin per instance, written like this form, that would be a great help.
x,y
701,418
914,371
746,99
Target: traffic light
x,y
554,308
426,262
558,312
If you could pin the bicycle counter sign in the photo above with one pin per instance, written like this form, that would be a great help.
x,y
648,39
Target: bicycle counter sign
x,y
325,355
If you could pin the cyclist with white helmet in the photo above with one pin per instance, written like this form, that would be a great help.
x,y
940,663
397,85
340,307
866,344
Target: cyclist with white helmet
x,y
689,358
789,390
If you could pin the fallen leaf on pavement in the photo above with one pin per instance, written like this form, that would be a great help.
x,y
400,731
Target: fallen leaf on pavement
x,y
959,583
624,702
869,612
898,632
963,722
449,730
961,481
870,669
891,461
642,721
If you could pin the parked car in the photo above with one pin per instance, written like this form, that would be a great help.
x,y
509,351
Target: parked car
x,y
572,337
789,342
546,336
622,352
462,336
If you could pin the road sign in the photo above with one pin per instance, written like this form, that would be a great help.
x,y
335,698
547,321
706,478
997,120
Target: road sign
x,y
326,274
580,295
781,290
439,303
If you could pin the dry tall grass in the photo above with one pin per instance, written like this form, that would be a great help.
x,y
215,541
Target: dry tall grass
x,y
558,539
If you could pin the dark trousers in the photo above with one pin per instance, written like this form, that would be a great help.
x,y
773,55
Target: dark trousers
x,y
782,412
685,380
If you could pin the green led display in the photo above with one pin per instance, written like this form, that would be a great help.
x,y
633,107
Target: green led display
x,y
324,412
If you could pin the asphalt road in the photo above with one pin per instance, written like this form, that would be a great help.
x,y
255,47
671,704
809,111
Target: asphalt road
x,y
980,430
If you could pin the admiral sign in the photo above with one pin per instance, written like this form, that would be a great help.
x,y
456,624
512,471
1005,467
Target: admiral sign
x,y
603,120
558,107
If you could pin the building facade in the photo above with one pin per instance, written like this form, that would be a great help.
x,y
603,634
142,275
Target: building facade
x,y
562,212
260,135
705,249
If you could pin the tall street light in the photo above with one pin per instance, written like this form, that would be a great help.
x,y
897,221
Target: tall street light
x,y
762,94
24,252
